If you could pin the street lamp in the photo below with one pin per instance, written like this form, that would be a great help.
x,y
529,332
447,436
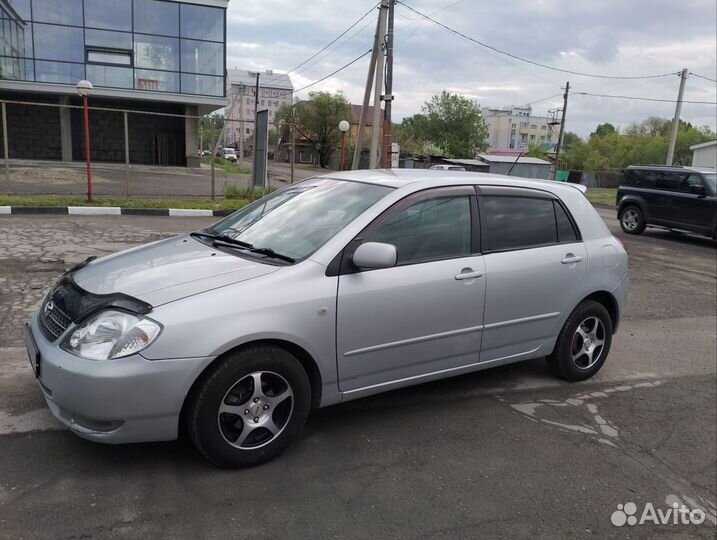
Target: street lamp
x,y
84,88
344,127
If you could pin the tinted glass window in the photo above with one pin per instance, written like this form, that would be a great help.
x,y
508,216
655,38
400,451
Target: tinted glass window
x,y
163,81
202,57
109,14
58,72
156,52
639,178
15,38
692,184
113,40
22,7
61,43
114,77
669,181
57,11
432,229
155,17
202,85
566,231
202,22
518,222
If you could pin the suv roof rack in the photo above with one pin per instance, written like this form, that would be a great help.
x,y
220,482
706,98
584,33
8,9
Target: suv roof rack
x,y
661,165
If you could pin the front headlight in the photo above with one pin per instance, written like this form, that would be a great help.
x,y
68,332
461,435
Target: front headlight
x,y
111,334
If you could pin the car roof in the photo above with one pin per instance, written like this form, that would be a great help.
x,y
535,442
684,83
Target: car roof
x,y
673,168
398,178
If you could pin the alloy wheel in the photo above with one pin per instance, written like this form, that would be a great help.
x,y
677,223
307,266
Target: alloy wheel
x,y
255,410
588,343
630,219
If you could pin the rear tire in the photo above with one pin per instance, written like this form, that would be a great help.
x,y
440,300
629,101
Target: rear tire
x,y
632,220
583,343
249,407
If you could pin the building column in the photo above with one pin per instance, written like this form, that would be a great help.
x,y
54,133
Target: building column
x,y
66,129
191,136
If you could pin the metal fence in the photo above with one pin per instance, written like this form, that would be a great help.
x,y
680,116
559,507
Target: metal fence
x,y
134,154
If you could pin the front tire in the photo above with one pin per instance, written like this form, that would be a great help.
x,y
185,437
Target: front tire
x,y
632,220
249,407
583,343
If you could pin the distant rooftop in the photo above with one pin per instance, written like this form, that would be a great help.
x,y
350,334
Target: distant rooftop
x,y
267,79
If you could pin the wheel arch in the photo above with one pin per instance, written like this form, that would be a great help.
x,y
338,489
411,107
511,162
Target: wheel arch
x,y
609,302
632,200
305,359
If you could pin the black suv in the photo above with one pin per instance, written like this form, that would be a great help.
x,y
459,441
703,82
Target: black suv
x,y
678,198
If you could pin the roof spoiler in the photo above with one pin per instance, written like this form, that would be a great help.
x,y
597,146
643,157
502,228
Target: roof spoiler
x,y
580,187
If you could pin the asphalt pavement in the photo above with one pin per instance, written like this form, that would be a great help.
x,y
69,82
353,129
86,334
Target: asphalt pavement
x,y
509,452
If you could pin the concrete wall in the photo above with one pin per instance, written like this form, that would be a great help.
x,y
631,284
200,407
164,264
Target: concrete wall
x,y
35,132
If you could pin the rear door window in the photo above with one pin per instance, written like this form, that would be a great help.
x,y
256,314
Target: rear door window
x,y
669,181
518,222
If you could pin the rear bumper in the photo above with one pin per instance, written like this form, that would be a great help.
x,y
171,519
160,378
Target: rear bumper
x,y
126,400
620,295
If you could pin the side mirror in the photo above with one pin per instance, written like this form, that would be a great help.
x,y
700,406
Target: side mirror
x,y
375,255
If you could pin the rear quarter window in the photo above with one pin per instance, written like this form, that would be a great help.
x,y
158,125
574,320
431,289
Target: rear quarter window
x,y
518,222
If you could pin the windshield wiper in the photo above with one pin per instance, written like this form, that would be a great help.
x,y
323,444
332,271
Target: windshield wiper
x,y
223,238
271,253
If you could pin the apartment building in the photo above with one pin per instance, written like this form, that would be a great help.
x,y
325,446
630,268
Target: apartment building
x,y
516,129
155,56
275,90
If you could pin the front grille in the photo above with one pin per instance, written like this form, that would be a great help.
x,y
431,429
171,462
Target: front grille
x,y
53,321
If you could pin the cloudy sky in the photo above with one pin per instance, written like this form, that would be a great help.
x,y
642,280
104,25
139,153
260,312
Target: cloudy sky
x,y
609,37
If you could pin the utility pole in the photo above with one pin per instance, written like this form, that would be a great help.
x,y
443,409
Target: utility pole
x,y
241,124
376,127
676,121
367,94
256,123
388,98
292,157
562,129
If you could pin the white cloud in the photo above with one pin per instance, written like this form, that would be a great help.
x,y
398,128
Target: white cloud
x,y
625,37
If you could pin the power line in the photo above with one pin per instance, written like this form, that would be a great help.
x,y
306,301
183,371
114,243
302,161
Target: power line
x,y
342,34
702,77
543,99
640,98
334,72
526,60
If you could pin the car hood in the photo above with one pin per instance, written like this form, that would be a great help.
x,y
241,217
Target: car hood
x,y
167,270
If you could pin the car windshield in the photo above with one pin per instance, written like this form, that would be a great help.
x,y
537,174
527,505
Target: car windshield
x,y
712,181
298,220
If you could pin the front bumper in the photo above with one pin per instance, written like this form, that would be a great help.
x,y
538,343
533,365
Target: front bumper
x,y
126,400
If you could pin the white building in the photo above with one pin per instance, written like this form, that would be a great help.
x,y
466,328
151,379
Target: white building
x,y
515,129
275,90
704,155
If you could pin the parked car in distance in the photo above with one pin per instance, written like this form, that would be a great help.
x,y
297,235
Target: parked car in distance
x,y
447,168
230,154
206,153
331,289
677,198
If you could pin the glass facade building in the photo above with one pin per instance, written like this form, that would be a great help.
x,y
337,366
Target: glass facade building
x,y
147,45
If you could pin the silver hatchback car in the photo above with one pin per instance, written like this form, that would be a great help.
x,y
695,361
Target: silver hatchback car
x,y
328,290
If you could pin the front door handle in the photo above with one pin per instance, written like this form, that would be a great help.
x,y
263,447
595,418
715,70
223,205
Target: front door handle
x,y
571,259
469,273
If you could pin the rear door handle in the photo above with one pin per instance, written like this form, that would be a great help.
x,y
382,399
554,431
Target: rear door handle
x,y
571,259
469,274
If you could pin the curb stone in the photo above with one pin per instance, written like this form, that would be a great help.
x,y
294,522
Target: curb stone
x,y
112,211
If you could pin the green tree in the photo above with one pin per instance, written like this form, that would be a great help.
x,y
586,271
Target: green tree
x,y
603,130
317,119
455,124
